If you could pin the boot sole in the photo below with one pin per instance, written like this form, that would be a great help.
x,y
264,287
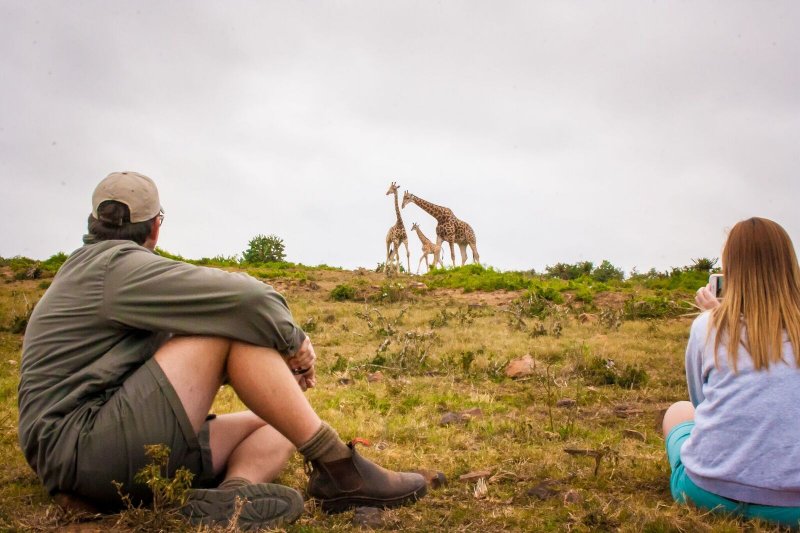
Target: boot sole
x,y
265,505
344,503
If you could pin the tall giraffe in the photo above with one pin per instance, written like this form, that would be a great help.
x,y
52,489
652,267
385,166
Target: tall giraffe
x,y
397,234
428,247
449,228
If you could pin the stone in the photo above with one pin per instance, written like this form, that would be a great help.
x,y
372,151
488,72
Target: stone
x,y
434,478
375,377
572,496
566,402
633,434
371,517
520,368
450,418
544,490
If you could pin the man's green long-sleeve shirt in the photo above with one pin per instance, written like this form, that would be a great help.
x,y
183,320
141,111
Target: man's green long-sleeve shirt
x,y
111,306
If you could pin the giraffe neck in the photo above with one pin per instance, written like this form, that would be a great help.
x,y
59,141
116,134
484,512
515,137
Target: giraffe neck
x,y
436,211
397,209
422,236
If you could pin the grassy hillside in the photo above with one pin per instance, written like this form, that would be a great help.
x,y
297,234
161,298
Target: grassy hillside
x,y
418,366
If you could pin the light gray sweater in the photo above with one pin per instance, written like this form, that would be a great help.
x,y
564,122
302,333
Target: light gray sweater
x,y
746,441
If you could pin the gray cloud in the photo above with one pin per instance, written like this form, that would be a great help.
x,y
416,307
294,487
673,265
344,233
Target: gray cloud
x,y
560,131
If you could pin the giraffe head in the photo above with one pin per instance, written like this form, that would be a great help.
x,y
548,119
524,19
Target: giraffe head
x,y
414,226
406,198
392,188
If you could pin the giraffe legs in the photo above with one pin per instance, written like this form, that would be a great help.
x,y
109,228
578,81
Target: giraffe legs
x,y
419,265
408,257
452,253
392,256
437,256
475,257
463,249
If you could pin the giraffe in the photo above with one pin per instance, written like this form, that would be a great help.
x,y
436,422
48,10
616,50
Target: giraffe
x,y
428,247
396,235
449,228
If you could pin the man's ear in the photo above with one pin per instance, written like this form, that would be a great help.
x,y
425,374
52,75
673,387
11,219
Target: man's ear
x,y
152,238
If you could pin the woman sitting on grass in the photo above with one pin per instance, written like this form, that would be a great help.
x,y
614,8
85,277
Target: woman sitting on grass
x,y
735,448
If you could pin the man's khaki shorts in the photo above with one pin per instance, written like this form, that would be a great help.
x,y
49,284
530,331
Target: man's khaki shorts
x,y
145,410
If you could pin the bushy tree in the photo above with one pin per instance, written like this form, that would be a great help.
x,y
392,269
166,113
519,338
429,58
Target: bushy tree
x,y
569,271
703,264
607,272
264,249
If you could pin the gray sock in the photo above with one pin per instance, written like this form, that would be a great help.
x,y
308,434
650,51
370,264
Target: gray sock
x,y
324,446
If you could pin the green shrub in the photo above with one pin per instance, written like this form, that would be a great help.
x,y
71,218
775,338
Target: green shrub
x,y
54,262
264,249
569,271
607,272
584,293
704,264
391,291
649,307
343,292
475,277
164,253
602,371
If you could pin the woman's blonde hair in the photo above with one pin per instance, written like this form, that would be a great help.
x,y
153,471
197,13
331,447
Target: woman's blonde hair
x,y
761,293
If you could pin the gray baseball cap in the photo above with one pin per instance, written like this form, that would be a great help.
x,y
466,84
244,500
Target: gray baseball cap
x,y
135,190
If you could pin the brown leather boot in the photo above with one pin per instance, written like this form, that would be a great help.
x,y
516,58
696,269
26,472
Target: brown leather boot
x,y
358,482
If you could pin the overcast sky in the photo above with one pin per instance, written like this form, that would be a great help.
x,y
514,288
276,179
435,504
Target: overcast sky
x,y
633,131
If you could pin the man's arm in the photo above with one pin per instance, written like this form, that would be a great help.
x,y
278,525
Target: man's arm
x,y
149,292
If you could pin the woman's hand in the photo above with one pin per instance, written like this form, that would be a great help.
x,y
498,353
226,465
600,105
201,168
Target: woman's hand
x,y
705,298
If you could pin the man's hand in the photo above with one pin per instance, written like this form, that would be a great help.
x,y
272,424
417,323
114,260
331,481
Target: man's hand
x,y
302,365
705,299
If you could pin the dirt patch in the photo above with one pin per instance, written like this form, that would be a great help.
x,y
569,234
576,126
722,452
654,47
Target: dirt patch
x,y
611,300
494,299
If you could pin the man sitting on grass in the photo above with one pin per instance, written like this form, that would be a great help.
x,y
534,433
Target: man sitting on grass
x,y
127,348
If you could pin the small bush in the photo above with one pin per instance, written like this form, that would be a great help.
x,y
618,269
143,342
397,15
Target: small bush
x,y
569,271
174,257
343,292
54,262
649,307
601,371
478,278
169,494
704,264
264,249
607,272
391,292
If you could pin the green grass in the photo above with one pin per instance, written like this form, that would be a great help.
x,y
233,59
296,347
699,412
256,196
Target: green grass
x,y
447,354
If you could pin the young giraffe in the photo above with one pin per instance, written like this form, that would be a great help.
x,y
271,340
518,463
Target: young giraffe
x,y
397,234
428,247
449,228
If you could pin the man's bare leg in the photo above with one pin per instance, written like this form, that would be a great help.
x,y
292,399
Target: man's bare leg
x,y
248,436
341,479
195,366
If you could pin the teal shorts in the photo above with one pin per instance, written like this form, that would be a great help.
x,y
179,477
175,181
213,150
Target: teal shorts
x,y
684,490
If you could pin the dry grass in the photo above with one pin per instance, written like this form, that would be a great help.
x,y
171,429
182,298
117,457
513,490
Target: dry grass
x,y
435,362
